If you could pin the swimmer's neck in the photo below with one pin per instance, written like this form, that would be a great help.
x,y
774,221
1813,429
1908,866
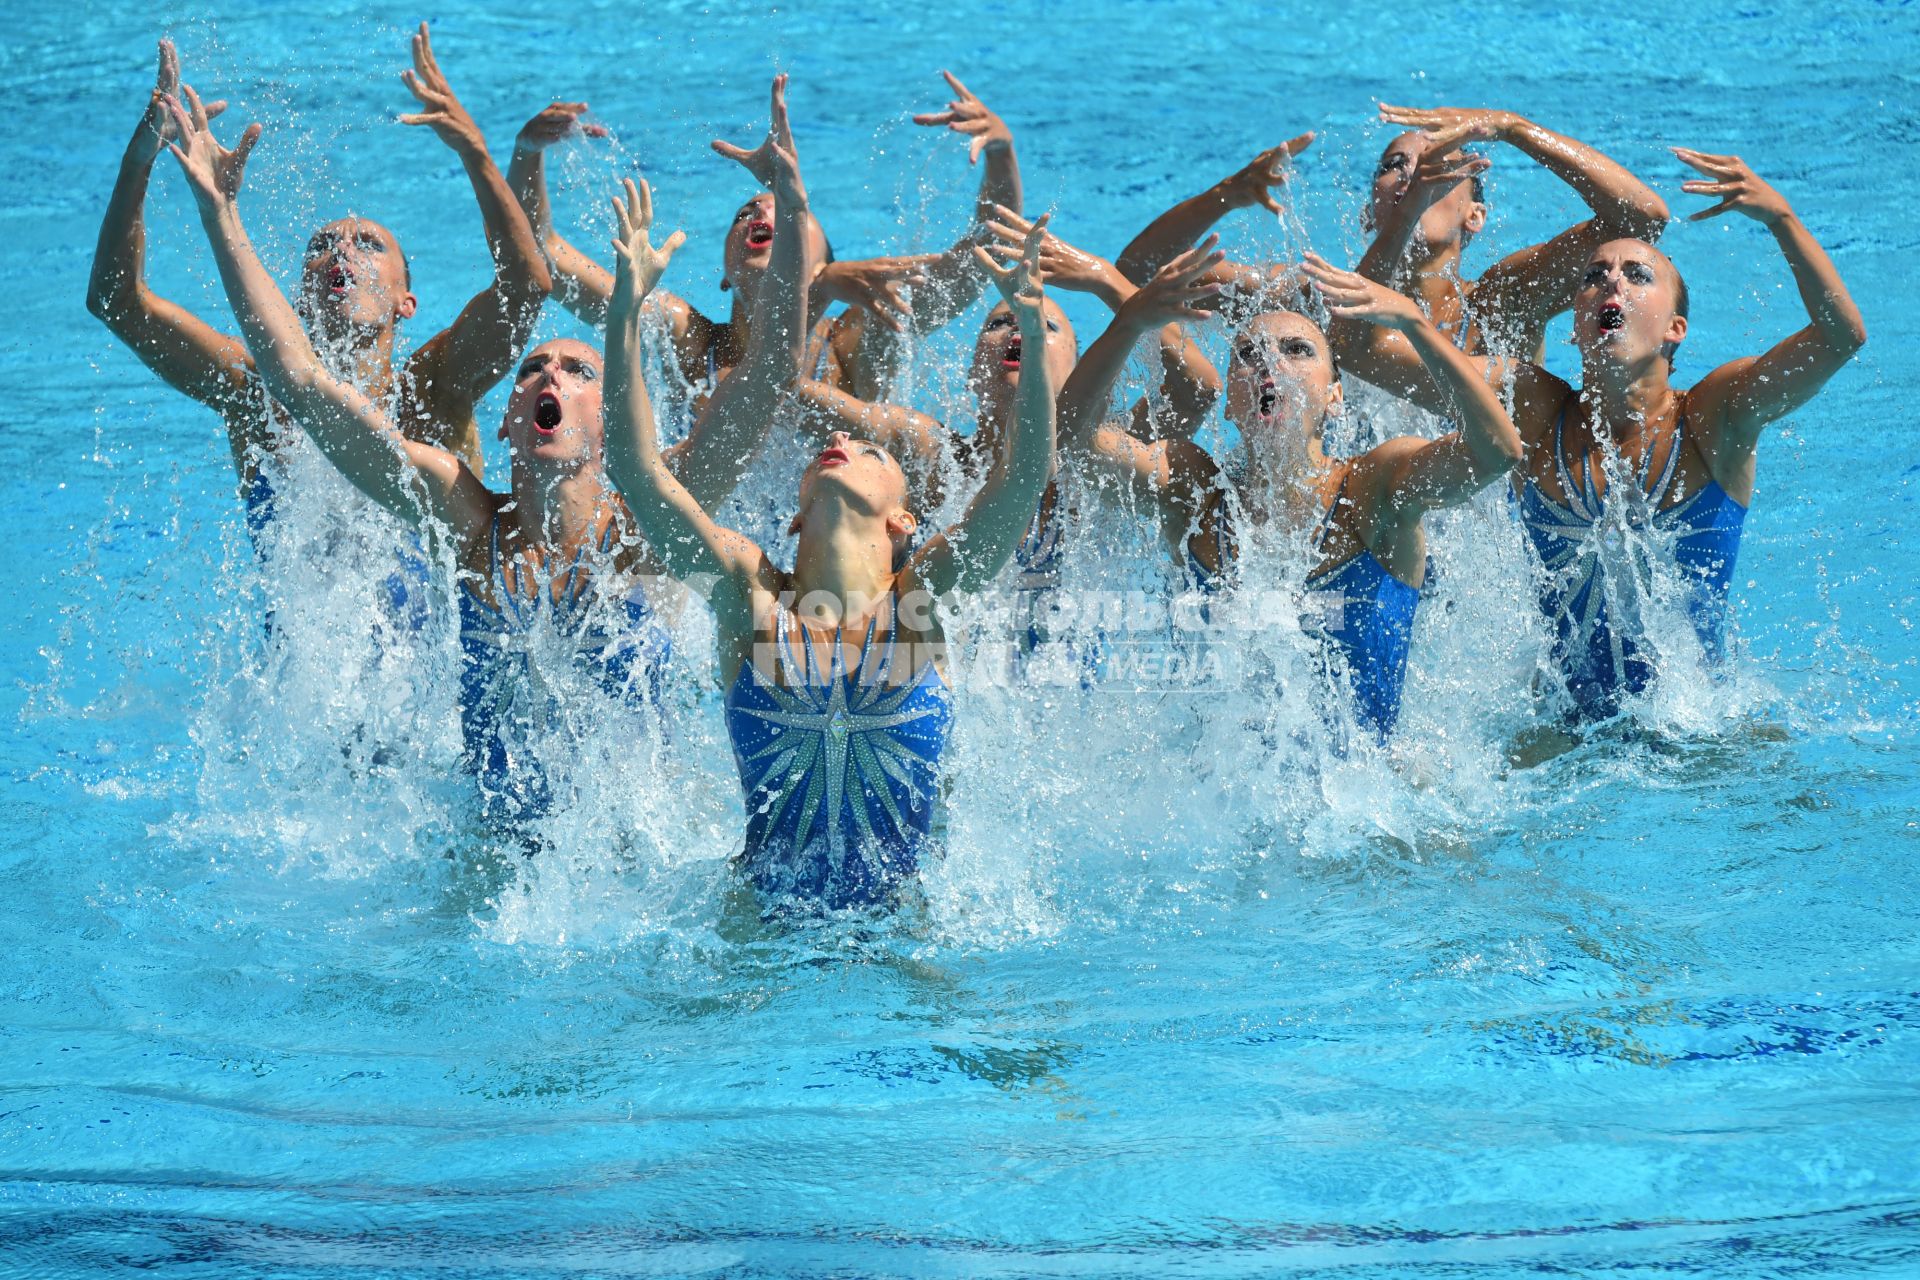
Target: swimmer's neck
x,y
1284,476
1615,396
360,357
563,509
1435,273
844,563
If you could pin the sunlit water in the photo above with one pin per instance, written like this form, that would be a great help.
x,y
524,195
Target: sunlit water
x,y
1193,992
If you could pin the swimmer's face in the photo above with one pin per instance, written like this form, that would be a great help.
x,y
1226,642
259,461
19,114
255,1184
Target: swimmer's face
x,y
749,244
998,352
862,475
1281,376
1626,309
1451,220
553,415
353,276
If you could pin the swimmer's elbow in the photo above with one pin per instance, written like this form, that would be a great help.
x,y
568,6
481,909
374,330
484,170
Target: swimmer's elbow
x,y
1647,218
1853,336
110,301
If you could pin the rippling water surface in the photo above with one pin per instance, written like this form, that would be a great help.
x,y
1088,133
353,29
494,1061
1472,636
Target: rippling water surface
x,y
1192,995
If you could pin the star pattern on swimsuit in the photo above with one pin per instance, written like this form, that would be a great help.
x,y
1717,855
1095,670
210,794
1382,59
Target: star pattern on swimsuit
x,y
834,741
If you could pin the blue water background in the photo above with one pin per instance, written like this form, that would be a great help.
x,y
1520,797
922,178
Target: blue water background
x,y
1651,1007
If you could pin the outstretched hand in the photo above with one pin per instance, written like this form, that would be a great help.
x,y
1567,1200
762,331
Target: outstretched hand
x,y
874,285
443,114
968,115
639,265
775,160
1060,262
212,171
1021,283
1740,189
1351,296
1178,291
557,123
1448,127
156,126
1270,169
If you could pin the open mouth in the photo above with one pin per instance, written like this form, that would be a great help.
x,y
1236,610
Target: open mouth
x,y
546,413
338,281
1612,316
1269,400
834,457
1010,359
759,234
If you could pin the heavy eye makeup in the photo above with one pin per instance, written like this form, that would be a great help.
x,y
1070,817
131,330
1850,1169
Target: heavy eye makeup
x,y
579,368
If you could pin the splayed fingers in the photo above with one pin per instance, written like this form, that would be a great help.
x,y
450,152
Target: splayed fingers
x,y
1740,189
1351,296
557,122
641,263
214,172
1180,291
967,115
1271,168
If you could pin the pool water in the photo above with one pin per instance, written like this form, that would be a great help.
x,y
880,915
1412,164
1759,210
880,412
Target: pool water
x,y
1193,994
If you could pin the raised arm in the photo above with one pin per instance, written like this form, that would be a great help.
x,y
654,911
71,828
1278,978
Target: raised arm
x,y
1530,286
580,284
1189,384
966,555
1414,474
1743,396
725,566
1176,294
483,342
736,420
953,279
188,354
353,431
1174,232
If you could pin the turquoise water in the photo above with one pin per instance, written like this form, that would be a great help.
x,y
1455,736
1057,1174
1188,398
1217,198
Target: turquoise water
x,y
1185,999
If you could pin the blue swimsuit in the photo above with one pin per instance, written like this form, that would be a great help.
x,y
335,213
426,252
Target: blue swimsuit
x,y
499,700
1361,614
1364,615
1599,653
407,589
840,768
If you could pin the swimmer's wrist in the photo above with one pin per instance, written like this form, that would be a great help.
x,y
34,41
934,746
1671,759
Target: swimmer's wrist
x,y
1511,127
1231,193
1114,289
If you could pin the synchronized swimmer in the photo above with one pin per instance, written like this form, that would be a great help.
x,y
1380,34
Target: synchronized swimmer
x,y
837,692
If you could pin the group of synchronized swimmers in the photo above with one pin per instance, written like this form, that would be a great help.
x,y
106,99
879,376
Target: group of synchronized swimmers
x,y
837,698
